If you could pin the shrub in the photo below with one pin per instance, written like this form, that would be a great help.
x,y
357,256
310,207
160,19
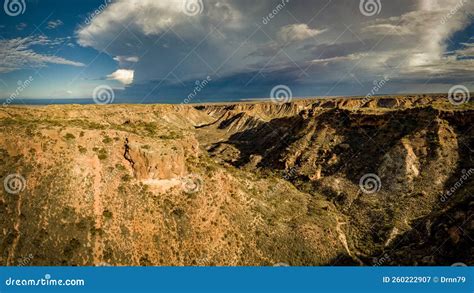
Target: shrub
x,y
101,153
107,214
69,136
107,140
82,149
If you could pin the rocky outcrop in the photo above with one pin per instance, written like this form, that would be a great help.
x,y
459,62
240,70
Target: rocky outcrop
x,y
158,162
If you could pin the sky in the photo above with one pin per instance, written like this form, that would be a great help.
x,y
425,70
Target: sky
x,y
191,51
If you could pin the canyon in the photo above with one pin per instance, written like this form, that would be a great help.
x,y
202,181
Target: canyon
x,y
244,184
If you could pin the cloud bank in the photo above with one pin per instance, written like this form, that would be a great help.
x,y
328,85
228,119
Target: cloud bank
x,y
317,45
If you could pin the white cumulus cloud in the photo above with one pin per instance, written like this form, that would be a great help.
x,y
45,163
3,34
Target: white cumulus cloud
x,y
124,76
152,17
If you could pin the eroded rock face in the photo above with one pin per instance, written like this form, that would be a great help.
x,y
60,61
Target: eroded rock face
x,y
159,162
244,184
400,167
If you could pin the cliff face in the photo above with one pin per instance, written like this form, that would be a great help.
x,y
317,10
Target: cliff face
x,y
313,182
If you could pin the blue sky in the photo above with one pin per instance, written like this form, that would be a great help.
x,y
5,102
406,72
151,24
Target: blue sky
x,y
219,50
